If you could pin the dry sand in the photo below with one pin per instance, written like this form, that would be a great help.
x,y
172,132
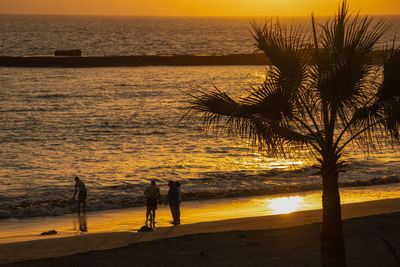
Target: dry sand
x,y
279,240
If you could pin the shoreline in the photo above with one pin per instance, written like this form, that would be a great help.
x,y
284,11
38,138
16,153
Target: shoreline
x,y
49,61
130,219
64,246
65,206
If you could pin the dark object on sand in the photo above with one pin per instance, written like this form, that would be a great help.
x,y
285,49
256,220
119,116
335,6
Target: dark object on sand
x,y
145,228
51,232
69,53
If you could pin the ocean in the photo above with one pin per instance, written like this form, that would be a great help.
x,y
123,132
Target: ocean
x,y
118,128
97,35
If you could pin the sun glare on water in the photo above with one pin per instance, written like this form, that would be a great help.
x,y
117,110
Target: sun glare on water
x,y
283,205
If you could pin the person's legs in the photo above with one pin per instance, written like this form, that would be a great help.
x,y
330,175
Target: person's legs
x,y
147,214
172,208
153,215
178,214
82,200
174,211
79,205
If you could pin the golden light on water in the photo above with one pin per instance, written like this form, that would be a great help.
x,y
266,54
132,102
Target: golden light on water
x,y
273,163
193,8
283,205
284,164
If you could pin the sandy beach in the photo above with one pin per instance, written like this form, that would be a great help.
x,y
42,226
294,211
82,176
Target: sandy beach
x,y
277,240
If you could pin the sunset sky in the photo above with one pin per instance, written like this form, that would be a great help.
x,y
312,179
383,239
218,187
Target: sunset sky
x,y
193,8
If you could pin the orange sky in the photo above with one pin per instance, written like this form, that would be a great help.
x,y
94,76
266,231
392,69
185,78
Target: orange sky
x,y
193,7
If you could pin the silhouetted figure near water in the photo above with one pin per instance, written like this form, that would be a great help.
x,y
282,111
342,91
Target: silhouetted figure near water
x,y
82,193
173,201
178,214
152,193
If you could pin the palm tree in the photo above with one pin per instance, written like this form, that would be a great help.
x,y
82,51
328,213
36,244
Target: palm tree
x,y
323,98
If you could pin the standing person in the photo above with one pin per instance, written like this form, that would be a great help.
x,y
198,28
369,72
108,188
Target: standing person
x,y
173,201
81,188
178,214
152,193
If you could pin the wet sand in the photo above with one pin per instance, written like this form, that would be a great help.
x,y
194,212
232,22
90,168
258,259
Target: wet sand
x,y
278,240
122,220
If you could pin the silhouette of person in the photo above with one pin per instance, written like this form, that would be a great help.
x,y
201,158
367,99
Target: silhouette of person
x,y
82,193
152,193
173,202
178,213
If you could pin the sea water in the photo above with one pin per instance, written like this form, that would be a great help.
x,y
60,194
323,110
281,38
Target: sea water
x,y
119,128
101,35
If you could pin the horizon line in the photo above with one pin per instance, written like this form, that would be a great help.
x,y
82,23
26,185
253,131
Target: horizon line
x,y
183,16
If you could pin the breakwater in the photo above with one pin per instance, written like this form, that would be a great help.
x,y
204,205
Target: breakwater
x,y
126,61
145,60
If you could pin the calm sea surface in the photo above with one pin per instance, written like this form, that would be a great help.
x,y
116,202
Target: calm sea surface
x,y
118,128
41,35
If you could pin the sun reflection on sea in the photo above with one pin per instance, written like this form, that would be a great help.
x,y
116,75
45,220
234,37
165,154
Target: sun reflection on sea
x,y
283,205
258,161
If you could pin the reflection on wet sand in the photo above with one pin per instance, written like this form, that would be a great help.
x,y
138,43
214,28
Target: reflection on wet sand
x,y
80,223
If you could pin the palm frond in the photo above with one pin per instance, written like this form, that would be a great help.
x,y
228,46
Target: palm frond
x,y
346,61
389,93
263,118
383,111
391,70
270,102
285,49
261,133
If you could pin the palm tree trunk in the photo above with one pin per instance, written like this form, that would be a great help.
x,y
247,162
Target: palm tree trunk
x,y
332,241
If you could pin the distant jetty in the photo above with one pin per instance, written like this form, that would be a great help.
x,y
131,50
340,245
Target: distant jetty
x,y
69,53
136,61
